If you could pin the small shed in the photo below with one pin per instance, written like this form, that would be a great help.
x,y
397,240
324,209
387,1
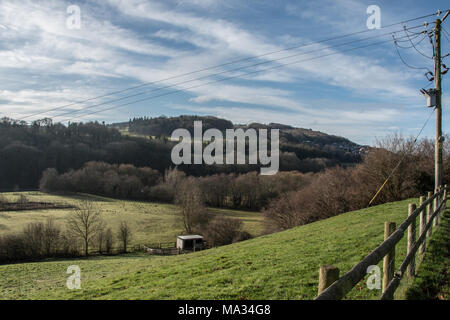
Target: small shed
x,y
190,242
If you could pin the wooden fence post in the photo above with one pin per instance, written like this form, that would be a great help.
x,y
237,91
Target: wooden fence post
x,y
436,205
445,198
411,241
429,213
422,224
389,258
439,200
327,275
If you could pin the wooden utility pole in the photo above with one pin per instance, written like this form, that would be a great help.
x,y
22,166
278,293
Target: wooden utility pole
x,y
437,85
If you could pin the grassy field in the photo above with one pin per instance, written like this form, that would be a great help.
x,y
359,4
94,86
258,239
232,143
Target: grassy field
x,y
150,222
278,266
433,276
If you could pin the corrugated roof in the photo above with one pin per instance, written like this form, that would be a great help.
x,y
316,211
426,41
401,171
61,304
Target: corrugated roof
x,y
190,237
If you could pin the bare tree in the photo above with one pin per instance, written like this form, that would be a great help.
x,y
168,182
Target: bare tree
x,y
189,198
100,238
109,240
124,235
380,162
85,223
32,238
51,237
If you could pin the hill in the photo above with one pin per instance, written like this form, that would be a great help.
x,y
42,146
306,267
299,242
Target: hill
x,y
304,150
27,150
278,266
164,126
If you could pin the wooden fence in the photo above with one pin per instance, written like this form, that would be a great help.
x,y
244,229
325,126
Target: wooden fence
x,y
162,245
161,248
331,287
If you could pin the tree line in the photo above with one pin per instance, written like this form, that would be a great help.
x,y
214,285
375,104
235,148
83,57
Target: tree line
x,y
26,151
287,199
85,231
249,191
338,190
164,126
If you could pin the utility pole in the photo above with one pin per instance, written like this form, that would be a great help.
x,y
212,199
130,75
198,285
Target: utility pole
x,y
437,86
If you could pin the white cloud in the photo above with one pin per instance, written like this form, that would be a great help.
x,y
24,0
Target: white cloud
x,y
346,70
359,126
26,102
239,94
181,38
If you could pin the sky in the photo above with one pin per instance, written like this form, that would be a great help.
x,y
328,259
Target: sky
x,y
209,57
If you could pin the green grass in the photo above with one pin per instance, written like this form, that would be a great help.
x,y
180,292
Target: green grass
x,y
150,222
278,266
433,277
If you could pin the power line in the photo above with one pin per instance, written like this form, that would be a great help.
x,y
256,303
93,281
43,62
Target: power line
x,y
221,65
414,46
403,61
446,34
418,42
226,71
401,160
227,78
223,72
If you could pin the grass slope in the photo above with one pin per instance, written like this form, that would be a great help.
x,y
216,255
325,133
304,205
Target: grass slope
x,y
433,278
278,266
150,222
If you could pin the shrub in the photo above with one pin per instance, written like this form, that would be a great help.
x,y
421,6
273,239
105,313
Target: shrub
x,y
339,190
122,181
37,240
49,181
3,199
222,230
51,237
13,248
33,239
161,192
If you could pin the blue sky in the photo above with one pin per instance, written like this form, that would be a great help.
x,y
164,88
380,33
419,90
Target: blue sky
x,y
363,94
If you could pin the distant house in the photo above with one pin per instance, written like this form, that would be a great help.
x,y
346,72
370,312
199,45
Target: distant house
x,y
190,242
